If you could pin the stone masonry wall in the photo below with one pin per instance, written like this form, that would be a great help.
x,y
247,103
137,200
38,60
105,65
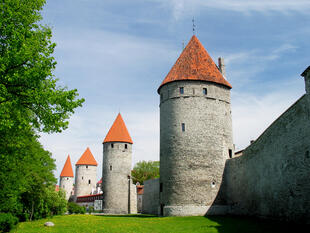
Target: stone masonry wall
x,y
85,180
150,201
272,177
192,161
66,183
116,167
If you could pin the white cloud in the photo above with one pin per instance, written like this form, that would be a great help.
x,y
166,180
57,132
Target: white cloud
x,y
190,7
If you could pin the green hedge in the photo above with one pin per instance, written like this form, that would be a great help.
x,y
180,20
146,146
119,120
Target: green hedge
x,y
74,208
7,221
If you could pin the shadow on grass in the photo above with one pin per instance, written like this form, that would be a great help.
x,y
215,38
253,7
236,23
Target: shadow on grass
x,y
130,215
240,224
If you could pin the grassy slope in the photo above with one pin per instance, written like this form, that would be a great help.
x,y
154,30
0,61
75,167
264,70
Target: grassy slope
x,y
90,223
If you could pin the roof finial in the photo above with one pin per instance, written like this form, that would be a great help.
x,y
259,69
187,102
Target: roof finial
x,y
193,20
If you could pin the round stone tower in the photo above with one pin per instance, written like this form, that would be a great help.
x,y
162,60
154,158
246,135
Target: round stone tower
x,y
85,174
116,170
195,134
66,178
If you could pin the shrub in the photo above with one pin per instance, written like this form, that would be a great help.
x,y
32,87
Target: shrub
x,y
7,221
74,208
90,209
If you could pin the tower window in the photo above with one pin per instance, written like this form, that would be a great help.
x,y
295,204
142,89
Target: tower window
x,y
204,91
67,178
89,181
181,90
86,166
126,146
110,167
112,145
230,153
82,177
183,127
160,187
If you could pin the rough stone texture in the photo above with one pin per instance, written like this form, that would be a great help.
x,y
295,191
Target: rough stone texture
x,y
66,183
133,199
192,162
49,224
116,167
84,174
150,201
272,177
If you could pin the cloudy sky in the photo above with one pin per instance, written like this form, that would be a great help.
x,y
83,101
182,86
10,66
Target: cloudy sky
x,y
117,52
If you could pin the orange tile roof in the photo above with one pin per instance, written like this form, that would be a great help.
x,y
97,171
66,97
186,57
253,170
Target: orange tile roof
x,y
67,169
195,63
140,189
56,188
118,132
87,158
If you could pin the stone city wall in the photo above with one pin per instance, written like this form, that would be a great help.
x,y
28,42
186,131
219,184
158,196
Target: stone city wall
x,y
150,201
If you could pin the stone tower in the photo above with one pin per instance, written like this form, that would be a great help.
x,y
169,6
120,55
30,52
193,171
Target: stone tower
x,y
117,186
195,134
85,174
66,178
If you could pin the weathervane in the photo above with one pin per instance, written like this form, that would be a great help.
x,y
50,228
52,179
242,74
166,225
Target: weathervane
x,y
193,20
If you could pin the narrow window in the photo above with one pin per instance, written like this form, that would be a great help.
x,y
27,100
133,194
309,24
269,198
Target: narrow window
x,y
82,177
162,209
230,153
67,178
88,181
112,145
204,90
110,167
125,146
181,90
86,166
183,127
160,187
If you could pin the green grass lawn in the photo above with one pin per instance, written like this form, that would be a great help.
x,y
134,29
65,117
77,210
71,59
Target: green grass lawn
x,y
144,223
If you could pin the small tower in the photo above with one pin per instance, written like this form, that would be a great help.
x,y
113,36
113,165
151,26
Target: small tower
x,y
116,170
66,178
195,133
85,174
306,75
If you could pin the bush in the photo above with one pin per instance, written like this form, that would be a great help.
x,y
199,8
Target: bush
x,y
74,208
90,209
7,221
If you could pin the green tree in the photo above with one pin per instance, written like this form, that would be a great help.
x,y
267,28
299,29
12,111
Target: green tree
x,y
145,170
31,101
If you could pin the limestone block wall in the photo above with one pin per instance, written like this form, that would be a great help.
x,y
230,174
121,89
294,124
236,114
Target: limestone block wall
x,y
85,179
195,141
66,184
133,199
272,177
150,201
116,167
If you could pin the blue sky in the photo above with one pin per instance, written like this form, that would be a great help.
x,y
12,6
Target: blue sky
x,y
117,52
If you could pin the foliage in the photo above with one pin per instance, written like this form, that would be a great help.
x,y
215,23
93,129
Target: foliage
x,y
30,102
146,223
145,170
7,221
90,209
74,208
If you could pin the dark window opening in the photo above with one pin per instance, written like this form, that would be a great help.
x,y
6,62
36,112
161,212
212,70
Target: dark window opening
x,y
230,153
88,181
307,154
183,127
110,167
181,90
126,146
160,187
82,177
67,178
204,90
112,145
161,209
86,166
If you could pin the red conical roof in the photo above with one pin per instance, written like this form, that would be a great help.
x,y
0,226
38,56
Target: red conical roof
x,y
118,132
67,169
195,63
87,158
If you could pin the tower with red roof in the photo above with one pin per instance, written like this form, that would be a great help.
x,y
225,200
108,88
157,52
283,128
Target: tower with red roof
x,y
85,174
118,191
66,178
195,133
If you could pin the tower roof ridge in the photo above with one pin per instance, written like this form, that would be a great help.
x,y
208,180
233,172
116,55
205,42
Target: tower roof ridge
x,y
67,169
87,158
118,132
195,63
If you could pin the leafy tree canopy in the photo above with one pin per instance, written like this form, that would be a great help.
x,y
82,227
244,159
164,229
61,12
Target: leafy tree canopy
x,y
145,170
